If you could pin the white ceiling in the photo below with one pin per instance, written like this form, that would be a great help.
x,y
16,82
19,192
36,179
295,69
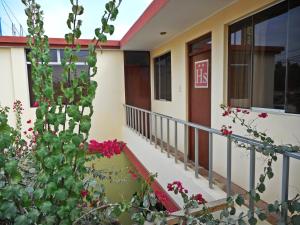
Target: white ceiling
x,y
174,18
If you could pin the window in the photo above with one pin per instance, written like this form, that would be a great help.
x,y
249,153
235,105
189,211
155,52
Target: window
x,y
55,62
264,59
162,77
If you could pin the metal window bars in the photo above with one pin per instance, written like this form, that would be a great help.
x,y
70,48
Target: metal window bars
x,y
134,116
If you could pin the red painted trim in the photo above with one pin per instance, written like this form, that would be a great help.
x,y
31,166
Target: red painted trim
x,y
14,41
169,204
147,15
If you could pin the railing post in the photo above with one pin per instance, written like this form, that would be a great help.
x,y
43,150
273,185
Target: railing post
x,y
210,159
142,123
161,134
129,117
285,187
228,166
252,179
139,122
132,121
168,137
146,125
155,130
196,153
135,119
150,127
186,145
175,140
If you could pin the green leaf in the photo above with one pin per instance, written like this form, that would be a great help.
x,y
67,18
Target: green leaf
x,y
262,216
91,60
270,174
261,187
240,200
51,188
252,221
33,215
46,207
21,220
38,194
9,210
61,194
11,167
5,140
85,124
77,9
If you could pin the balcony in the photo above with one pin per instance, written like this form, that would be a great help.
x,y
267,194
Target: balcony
x,y
160,142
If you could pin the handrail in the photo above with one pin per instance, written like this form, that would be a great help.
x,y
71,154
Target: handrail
x,y
136,118
246,140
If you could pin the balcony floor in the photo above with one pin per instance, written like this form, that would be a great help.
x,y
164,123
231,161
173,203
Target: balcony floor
x,y
168,171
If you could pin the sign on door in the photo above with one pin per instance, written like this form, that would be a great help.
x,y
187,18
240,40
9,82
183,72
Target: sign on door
x,y
201,74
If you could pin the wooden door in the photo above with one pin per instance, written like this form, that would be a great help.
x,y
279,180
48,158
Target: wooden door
x,y
200,95
137,83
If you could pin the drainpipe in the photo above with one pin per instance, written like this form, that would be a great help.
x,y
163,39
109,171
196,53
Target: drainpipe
x,y
0,28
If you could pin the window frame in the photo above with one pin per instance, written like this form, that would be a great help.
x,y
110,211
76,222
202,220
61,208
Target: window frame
x,y
51,63
251,107
157,96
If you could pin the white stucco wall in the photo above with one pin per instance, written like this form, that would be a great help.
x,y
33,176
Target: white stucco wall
x,y
108,114
284,128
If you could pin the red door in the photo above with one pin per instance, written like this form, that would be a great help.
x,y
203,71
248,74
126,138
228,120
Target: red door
x,y
200,95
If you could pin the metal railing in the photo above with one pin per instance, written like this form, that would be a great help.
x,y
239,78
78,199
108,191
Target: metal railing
x,y
141,121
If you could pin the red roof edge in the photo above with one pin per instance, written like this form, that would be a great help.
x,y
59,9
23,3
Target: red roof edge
x,y
147,15
15,41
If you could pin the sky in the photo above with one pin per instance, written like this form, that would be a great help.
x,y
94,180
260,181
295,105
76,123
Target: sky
x,y
56,13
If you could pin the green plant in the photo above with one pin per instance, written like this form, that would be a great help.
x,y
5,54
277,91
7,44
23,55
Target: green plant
x,y
61,128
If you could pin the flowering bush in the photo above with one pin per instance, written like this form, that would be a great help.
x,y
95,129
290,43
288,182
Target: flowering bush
x,y
107,148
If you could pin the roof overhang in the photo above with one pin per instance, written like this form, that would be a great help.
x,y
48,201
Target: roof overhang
x,y
170,16
15,41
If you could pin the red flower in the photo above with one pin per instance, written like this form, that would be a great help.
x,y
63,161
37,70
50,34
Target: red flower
x,y
35,104
245,111
28,121
263,115
84,193
238,110
226,113
226,130
30,129
106,148
177,186
199,198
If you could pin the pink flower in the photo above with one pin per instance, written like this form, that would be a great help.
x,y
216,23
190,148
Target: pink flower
x,y
199,198
263,115
106,148
177,186
226,130
35,104
245,111
238,110
226,113
84,193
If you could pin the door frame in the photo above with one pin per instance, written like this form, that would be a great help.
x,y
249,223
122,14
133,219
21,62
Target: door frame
x,y
188,57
